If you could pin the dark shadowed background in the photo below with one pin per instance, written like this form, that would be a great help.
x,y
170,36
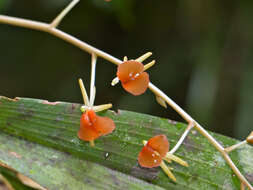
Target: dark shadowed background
x,y
203,49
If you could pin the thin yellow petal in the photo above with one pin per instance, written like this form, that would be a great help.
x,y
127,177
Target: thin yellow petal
x,y
167,171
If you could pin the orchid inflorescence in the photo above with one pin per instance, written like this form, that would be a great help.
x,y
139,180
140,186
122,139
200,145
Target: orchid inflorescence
x,y
134,79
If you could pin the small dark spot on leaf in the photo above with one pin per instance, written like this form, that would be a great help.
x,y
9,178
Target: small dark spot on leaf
x,y
8,124
73,106
34,159
26,114
52,161
221,143
87,180
250,177
148,174
194,177
115,179
71,109
68,153
190,144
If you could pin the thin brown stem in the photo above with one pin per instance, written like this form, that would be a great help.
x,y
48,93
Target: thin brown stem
x,y
65,11
235,146
181,140
25,23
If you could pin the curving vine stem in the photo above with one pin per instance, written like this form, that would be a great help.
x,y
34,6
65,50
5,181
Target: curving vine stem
x,y
51,28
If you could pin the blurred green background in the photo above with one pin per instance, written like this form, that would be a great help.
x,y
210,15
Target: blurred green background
x,y
203,51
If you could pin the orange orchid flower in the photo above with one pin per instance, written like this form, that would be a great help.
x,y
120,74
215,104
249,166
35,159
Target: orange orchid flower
x,y
93,126
153,153
133,78
132,75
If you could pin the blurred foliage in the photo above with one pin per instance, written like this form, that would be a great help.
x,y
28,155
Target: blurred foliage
x,y
203,52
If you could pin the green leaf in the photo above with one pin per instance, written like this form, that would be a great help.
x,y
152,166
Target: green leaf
x,y
53,156
11,177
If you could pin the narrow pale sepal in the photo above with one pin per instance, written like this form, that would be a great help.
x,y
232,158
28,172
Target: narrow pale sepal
x,y
84,93
161,101
176,159
101,107
148,65
143,57
167,159
167,171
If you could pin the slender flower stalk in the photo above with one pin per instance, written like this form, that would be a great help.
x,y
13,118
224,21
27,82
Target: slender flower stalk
x,y
235,146
182,138
49,28
249,140
65,11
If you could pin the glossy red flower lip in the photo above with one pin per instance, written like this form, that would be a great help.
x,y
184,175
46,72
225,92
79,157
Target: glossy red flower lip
x,y
132,75
93,126
133,78
153,153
